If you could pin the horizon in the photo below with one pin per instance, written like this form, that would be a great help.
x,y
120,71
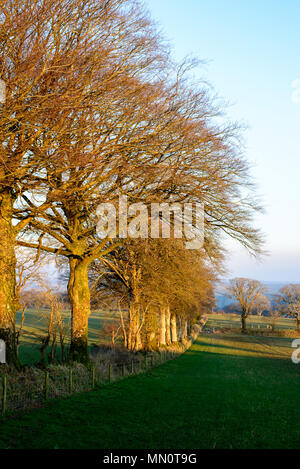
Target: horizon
x,y
279,282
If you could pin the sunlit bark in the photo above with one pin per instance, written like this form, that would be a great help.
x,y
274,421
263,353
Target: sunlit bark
x,y
79,295
8,300
174,329
168,325
163,327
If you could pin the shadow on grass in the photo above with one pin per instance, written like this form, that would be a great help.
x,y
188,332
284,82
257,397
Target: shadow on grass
x,y
214,347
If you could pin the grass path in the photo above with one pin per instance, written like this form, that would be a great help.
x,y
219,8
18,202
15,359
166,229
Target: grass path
x,y
225,392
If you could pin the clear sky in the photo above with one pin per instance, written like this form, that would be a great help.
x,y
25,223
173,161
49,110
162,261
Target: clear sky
x,y
252,54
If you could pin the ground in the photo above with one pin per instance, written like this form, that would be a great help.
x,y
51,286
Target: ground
x,y
227,391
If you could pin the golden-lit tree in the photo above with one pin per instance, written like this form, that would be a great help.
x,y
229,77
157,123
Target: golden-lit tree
x,y
43,63
247,292
116,120
161,284
107,142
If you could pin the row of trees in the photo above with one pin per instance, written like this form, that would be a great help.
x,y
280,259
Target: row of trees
x,y
95,108
251,297
162,286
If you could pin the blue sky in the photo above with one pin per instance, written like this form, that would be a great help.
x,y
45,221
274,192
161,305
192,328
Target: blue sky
x,y
252,54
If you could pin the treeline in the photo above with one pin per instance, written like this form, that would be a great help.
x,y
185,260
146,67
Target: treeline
x,y
163,287
95,109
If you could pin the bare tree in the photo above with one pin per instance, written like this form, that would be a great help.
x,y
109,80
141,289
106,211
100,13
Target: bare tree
x,y
262,303
57,325
275,315
49,74
246,292
288,302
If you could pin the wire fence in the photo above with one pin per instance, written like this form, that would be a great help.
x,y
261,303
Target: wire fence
x,y
34,387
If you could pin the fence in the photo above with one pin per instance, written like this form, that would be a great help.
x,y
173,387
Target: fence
x,y
34,387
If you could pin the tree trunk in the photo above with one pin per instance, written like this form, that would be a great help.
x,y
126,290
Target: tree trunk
x,y
134,312
184,330
79,294
138,339
244,325
134,342
162,339
168,326
298,323
174,329
8,299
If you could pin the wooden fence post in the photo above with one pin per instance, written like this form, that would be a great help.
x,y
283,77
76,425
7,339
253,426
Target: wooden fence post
x,y
109,373
70,381
46,385
93,376
123,369
132,367
4,395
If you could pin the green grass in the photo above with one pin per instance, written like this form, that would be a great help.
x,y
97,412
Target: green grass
x,y
225,392
34,327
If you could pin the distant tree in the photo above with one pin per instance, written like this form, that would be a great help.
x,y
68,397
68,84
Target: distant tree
x,y
246,292
262,303
274,314
57,325
288,302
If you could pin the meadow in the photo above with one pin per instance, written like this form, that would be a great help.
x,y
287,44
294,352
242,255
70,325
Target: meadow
x,y
255,324
35,327
226,391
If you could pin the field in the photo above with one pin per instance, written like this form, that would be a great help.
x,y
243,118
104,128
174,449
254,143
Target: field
x,y
34,327
227,391
257,323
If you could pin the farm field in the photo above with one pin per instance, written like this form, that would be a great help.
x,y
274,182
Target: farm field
x,y
253,322
227,391
34,327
